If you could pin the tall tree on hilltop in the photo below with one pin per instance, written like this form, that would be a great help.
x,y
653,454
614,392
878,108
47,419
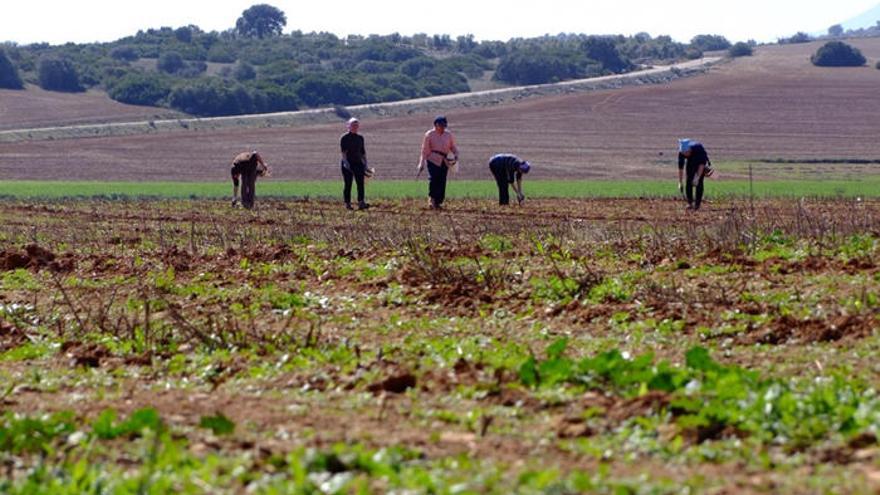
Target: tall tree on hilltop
x,y
261,21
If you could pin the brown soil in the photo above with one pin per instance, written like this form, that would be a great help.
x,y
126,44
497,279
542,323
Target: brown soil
x,y
35,257
35,107
791,330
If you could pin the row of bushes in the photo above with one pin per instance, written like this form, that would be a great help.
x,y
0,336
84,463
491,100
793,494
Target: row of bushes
x,y
169,67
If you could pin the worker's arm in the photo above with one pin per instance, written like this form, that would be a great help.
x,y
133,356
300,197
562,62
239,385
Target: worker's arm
x,y
680,172
517,186
426,150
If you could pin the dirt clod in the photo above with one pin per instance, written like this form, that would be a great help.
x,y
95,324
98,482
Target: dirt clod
x,y
395,384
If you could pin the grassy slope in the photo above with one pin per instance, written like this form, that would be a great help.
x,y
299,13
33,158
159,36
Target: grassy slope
x,y
867,187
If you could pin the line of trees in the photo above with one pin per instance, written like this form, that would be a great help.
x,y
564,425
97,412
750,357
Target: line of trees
x,y
253,67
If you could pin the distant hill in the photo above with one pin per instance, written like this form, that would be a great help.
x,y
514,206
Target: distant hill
x,y
866,20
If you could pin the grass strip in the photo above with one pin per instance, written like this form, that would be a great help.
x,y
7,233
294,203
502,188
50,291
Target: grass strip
x,y
867,187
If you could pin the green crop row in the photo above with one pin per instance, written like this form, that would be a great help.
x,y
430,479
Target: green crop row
x,y
864,187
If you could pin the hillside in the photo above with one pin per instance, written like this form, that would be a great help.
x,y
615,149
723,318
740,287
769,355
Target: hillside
x,y
775,105
35,107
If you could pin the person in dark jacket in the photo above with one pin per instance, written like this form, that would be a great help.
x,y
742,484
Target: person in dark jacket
x,y
354,163
508,170
247,166
694,162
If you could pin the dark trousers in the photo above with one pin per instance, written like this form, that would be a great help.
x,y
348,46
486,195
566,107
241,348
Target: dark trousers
x,y
689,186
437,182
356,174
248,185
500,174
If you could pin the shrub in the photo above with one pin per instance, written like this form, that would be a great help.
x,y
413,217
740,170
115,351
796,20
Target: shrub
x,y
838,54
211,97
800,37
58,74
222,53
327,89
244,72
740,49
710,42
192,69
9,78
170,62
536,67
124,52
140,89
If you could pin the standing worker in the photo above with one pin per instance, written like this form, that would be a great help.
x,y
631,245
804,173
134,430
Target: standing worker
x,y
354,163
508,171
436,147
247,166
693,160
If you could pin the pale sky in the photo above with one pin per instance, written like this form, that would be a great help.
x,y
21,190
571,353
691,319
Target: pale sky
x,y
81,21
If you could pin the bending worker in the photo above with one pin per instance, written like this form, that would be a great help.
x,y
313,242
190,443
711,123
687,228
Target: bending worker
x,y
247,166
693,161
436,147
508,170
354,163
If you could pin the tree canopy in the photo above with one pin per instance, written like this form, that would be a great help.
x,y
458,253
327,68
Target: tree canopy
x,y
710,42
9,78
261,21
740,49
838,54
59,74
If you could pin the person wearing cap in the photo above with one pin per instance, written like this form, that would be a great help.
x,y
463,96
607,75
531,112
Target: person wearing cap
x,y
354,163
436,148
508,170
693,161
247,166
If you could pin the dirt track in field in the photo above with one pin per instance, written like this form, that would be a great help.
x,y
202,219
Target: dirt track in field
x,y
774,105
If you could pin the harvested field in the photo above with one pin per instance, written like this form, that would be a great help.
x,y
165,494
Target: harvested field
x,y
774,105
615,346
36,107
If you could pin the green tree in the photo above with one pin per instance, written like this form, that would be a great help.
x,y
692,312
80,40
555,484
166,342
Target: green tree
x,y
838,54
9,78
740,49
799,37
211,97
710,42
261,21
170,62
244,72
58,74
140,89
835,31
124,52
602,49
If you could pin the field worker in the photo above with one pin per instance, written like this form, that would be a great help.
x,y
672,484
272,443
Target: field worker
x,y
508,171
693,160
436,147
354,163
247,166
